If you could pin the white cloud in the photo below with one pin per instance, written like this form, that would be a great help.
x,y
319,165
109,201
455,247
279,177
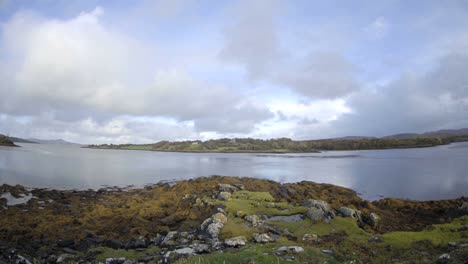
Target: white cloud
x,y
378,28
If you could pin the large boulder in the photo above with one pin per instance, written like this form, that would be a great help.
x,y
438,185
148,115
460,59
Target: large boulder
x,y
224,196
347,212
213,225
224,187
372,219
315,214
235,241
318,204
170,239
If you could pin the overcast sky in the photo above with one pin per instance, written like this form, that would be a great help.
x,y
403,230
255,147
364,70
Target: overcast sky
x,y
94,71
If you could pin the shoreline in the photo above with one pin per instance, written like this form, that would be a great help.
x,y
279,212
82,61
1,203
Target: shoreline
x,y
169,222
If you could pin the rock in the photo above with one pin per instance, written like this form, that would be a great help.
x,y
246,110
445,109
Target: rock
x,y
241,214
315,214
224,196
184,251
169,240
22,260
376,239
347,212
213,225
464,207
372,220
201,248
263,238
227,187
70,251
221,210
52,259
115,260
140,243
310,238
235,241
327,251
145,259
114,243
289,250
239,186
254,220
128,262
157,240
318,204
444,258
65,258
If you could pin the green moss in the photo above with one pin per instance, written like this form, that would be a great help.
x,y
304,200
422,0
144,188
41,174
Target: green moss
x,y
437,235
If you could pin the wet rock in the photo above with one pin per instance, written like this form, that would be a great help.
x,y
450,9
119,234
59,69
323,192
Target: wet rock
x,y
310,238
114,243
347,212
169,240
254,220
289,250
263,238
213,225
241,214
224,196
235,241
376,239
318,204
315,214
444,258
227,187
327,251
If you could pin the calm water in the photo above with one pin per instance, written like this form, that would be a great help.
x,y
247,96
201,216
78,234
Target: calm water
x,y
429,173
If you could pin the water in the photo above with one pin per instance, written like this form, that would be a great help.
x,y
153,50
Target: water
x,y
421,174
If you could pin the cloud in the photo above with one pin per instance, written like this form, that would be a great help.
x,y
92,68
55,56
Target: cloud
x,y
79,68
378,28
414,103
255,42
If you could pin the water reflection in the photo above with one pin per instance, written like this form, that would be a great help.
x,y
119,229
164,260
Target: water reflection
x,y
429,173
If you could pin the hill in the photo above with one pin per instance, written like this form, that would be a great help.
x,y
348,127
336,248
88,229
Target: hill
x,y
52,141
21,140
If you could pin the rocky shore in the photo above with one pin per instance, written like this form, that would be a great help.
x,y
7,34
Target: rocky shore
x,y
227,220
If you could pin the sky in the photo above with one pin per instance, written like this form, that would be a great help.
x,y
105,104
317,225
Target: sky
x,y
95,72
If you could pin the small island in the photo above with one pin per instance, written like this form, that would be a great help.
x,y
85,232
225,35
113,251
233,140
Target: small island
x,y
5,141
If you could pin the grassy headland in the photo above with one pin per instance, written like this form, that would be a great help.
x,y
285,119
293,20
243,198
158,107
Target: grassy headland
x,y
229,220
5,141
286,145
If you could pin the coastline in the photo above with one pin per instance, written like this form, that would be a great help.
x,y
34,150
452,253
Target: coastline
x,y
109,220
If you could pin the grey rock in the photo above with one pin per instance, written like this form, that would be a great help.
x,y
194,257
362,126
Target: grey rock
x,y
327,251
224,187
115,260
157,240
169,240
464,207
310,238
140,243
444,258
114,243
318,204
373,219
201,248
289,250
235,241
263,238
65,243
254,220
347,212
145,259
239,186
224,196
65,258
22,260
70,251
213,225
315,214
184,251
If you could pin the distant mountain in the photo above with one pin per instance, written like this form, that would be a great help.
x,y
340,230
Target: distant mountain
x,y
438,133
21,140
52,141
352,138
